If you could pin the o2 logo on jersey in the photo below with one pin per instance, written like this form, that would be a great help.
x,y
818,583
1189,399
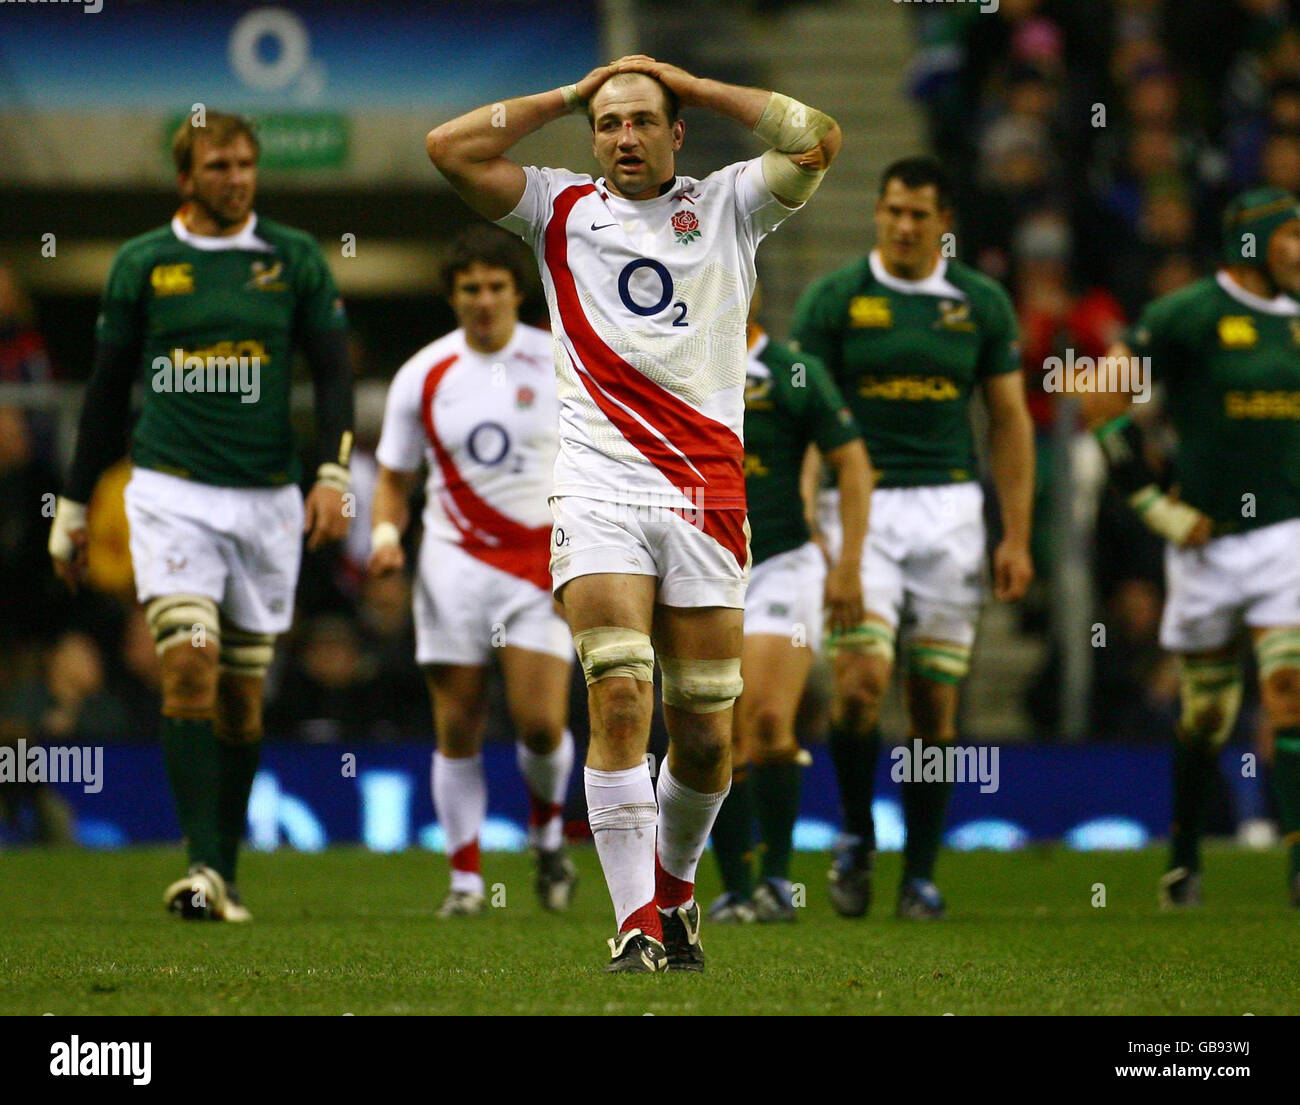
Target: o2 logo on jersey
x,y
489,444
646,310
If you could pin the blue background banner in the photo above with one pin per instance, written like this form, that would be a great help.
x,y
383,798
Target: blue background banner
x,y
310,796
323,56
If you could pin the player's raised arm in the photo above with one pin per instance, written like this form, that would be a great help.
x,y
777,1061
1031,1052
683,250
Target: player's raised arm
x,y
804,140
1108,416
469,150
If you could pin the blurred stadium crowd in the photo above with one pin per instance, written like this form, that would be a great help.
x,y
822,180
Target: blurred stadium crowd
x,y
1093,145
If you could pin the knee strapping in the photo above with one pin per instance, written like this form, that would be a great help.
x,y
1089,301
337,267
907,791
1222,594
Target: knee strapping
x,y
609,652
1277,649
869,638
944,662
701,686
1211,698
183,619
247,654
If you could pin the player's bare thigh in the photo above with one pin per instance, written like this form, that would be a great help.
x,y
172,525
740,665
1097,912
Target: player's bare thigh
x,y
775,672
458,693
537,696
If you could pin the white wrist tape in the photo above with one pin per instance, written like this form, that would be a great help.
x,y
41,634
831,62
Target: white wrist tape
x,y
384,535
572,100
335,476
68,516
1172,520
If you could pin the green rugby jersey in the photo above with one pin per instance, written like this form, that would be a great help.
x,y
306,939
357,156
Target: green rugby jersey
x,y
907,355
790,402
1230,363
216,329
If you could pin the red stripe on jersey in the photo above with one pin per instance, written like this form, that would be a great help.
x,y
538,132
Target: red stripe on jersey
x,y
697,455
485,532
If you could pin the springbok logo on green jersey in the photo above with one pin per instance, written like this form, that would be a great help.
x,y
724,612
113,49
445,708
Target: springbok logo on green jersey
x,y
954,316
266,277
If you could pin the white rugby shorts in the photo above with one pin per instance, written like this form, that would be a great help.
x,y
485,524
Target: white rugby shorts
x,y
593,537
1250,578
466,610
239,546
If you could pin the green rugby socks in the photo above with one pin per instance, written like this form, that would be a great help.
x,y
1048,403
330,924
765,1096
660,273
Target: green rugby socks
x,y
733,841
776,793
1194,767
854,758
1286,791
193,771
237,765
925,808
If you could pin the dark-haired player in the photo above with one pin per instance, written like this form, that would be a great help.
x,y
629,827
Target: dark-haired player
x,y
207,313
648,276
1227,349
479,406
909,335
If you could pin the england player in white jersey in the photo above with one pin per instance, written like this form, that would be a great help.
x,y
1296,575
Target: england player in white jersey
x,y
479,405
648,276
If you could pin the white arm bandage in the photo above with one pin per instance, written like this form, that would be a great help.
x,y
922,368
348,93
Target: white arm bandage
x,y
791,127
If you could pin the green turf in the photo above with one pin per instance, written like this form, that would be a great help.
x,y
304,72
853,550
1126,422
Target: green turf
x,y
351,932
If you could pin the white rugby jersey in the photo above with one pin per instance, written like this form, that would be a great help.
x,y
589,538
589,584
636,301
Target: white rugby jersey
x,y
648,302
486,423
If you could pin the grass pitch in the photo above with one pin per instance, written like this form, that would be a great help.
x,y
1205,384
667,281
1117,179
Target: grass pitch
x,y
348,931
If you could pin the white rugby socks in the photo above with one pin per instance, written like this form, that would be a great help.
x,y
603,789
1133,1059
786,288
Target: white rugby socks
x,y
460,802
547,776
685,820
621,812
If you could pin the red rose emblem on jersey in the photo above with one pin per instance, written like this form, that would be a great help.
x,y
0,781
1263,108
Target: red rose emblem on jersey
x,y
524,397
686,226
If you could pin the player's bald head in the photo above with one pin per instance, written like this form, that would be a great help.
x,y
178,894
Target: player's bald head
x,y
623,90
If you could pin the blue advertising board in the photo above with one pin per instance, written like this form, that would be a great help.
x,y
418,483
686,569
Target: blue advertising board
x,y
311,796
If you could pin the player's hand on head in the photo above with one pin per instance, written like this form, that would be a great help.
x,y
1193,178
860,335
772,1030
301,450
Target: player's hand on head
x,y
674,77
587,87
323,517
385,560
1013,571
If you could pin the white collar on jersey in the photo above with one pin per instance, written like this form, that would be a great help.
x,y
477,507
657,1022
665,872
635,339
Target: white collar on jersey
x,y
1280,304
673,193
934,284
756,351
246,239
